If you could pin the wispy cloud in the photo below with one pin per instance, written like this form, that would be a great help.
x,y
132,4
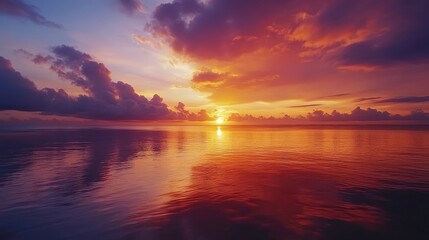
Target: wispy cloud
x,y
409,99
337,95
20,9
306,105
131,7
366,99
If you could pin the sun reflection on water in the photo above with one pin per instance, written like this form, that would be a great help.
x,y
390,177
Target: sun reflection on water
x,y
219,131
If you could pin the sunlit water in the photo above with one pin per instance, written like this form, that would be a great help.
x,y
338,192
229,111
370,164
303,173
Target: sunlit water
x,y
215,183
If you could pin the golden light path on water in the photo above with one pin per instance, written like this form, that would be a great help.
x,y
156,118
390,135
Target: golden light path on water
x,y
215,182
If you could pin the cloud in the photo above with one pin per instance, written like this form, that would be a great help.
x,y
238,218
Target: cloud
x,y
358,114
366,99
183,114
306,105
418,115
35,58
142,40
264,50
337,95
19,93
20,9
250,118
403,39
360,32
131,7
410,99
104,98
206,80
109,100
219,28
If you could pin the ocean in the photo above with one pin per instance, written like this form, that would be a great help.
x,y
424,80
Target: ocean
x,y
210,182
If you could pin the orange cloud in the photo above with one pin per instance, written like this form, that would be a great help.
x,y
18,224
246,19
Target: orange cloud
x,y
296,50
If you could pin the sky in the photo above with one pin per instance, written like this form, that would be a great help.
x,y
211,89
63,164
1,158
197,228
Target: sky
x,y
201,59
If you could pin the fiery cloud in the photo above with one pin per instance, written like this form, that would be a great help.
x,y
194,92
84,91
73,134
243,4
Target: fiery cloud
x,y
295,50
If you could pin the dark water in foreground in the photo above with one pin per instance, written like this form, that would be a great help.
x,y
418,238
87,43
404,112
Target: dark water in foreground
x,y
209,183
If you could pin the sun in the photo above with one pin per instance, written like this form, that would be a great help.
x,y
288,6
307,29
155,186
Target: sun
x,y
220,120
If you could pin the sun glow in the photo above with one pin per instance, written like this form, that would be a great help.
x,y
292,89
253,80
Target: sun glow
x,y
220,120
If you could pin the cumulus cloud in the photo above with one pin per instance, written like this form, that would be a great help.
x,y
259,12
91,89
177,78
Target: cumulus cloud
x,y
104,99
183,114
19,93
358,114
20,9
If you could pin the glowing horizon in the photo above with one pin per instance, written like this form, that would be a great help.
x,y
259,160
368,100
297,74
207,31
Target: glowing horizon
x,y
278,60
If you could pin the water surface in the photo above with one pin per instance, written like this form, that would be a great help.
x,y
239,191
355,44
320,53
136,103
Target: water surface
x,y
211,182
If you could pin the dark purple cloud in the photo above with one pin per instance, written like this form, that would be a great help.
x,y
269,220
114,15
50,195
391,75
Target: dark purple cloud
x,y
337,95
183,114
17,92
105,99
369,114
35,58
409,99
402,36
20,9
250,118
306,105
366,99
130,7
358,114
40,59
418,115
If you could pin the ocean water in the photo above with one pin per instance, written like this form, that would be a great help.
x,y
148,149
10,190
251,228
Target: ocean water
x,y
208,182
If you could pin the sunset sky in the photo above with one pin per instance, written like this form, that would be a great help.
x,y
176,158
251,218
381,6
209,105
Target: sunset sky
x,y
136,60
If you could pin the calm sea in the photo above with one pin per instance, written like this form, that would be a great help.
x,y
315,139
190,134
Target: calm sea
x,y
208,182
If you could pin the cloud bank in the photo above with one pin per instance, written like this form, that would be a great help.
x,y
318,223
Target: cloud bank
x,y
358,114
104,99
